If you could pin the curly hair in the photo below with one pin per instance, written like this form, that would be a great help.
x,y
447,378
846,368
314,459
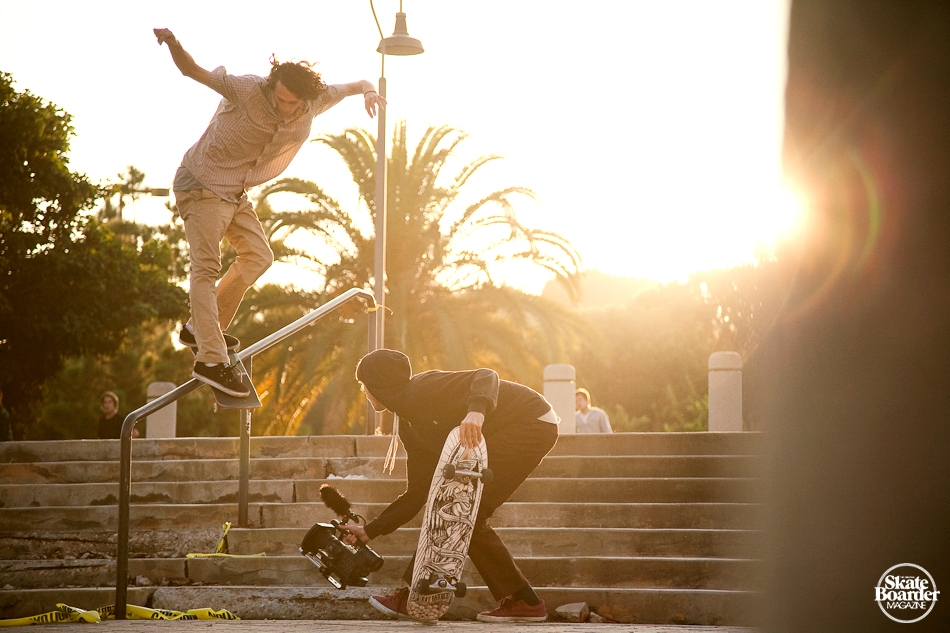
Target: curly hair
x,y
298,77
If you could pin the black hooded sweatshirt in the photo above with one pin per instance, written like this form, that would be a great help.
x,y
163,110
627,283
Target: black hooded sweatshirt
x,y
429,406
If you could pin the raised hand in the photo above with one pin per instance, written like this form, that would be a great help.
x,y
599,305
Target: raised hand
x,y
164,36
372,100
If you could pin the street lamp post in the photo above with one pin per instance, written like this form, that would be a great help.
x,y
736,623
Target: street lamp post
x,y
399,43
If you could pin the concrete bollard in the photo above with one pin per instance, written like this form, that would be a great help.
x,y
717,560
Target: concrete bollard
x,y
163,422
725,391
559,389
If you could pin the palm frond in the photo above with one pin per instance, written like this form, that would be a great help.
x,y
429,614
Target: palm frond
x,y
448,310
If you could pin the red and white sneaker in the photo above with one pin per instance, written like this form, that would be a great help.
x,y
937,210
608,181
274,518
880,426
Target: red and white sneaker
x,y
393,604
511,610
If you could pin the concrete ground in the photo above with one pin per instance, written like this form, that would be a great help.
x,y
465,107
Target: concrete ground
x,y
372,626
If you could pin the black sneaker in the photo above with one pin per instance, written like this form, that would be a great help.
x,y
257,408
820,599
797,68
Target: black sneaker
x,y
222,376
187,337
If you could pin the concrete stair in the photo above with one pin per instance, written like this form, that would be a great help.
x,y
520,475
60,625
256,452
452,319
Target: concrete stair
x,y
646,528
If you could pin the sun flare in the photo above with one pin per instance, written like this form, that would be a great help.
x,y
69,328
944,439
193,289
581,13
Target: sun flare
x,y
788,213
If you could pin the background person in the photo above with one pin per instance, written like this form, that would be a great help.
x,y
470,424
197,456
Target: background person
x,y
110,422
589,419
519,427
256,131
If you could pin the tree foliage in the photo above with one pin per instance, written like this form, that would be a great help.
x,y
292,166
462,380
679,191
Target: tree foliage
x,y
69,285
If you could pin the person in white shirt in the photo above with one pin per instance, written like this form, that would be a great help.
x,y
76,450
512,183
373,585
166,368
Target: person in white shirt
x,y
589,419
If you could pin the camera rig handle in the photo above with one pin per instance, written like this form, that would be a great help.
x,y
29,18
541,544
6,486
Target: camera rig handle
x,y
352,516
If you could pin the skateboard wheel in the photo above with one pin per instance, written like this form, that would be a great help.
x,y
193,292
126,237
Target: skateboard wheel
x,y
422,585
460,589
449,471
487,476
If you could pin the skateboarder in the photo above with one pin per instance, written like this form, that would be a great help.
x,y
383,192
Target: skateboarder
x,y
256,131
520,428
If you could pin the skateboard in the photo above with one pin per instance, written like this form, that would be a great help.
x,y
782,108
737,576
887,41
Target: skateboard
x,y
227,401
454,497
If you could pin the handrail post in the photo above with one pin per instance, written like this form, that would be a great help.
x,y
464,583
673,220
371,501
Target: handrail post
x,y
245,456
370,347
125,494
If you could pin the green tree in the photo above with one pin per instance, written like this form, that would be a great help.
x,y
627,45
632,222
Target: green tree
x,y
69,286
70,405
448,311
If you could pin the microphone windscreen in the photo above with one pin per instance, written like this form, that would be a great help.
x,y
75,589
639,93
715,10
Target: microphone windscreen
x,y
334,500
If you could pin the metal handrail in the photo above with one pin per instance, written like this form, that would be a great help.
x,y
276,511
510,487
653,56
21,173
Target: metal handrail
x,y
125,435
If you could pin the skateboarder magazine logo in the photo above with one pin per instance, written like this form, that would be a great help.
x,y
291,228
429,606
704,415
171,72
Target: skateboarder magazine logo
x,y
906,593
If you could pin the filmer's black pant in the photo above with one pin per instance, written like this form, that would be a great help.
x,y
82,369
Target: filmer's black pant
x,y
513,454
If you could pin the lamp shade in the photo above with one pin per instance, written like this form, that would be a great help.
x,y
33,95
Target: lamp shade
x,y
400,43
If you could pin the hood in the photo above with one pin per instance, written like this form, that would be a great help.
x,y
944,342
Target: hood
x,y
385,373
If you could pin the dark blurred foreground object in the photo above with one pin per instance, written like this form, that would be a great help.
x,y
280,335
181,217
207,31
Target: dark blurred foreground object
x,y
858,367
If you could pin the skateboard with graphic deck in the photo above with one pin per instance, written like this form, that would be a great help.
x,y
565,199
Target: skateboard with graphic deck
x,y
451,508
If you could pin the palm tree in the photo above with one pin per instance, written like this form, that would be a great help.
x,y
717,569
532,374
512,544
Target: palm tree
x,y
448,311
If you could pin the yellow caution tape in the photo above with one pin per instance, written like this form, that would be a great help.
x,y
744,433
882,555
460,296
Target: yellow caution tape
x,y
222,547
44,618
143,613
134,612
222,550
79,615
67,613
210,614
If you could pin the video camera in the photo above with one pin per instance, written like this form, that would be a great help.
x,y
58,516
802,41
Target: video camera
x,y
340,563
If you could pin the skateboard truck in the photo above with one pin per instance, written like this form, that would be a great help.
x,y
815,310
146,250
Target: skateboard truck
x,y
451,472
438,583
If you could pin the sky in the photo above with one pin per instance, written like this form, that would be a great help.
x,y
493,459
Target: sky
x,y
650,131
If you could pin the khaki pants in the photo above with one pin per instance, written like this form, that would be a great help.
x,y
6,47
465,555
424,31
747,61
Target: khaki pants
x,y
207,219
